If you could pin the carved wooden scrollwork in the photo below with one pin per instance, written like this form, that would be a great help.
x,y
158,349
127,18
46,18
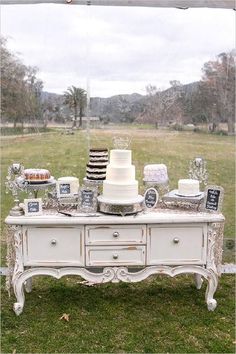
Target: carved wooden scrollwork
x,y
14,255
215,244
114,274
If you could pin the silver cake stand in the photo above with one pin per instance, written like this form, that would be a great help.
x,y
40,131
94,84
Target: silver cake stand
x,y
35,187
93,183
125,207
183,201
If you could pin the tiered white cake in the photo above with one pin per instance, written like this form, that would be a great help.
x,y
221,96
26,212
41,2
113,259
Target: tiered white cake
x,y
120,184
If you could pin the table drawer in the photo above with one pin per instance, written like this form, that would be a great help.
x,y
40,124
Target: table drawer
x,y
176,244
115,234
45,246
118,255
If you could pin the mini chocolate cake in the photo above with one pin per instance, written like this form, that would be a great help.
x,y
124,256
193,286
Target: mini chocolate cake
x,y
97,166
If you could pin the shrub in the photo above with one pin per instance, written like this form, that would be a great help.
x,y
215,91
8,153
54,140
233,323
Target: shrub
x,y
177,127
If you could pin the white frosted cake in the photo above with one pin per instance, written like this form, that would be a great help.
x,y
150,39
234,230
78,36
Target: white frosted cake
x,y
67,185
120,183
155,173
188,187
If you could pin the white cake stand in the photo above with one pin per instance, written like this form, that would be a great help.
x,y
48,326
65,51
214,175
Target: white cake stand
x,y
124,207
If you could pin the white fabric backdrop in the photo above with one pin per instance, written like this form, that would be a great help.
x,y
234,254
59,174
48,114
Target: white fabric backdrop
x,y
230,4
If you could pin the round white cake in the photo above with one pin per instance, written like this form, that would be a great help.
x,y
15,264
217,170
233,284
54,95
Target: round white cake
x,y
188,187
155,173
73,181
120,183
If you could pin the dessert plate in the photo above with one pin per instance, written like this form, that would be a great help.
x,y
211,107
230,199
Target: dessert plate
x,y
23,181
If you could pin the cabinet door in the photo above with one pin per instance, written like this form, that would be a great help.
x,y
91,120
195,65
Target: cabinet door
x,y
57,246
176,244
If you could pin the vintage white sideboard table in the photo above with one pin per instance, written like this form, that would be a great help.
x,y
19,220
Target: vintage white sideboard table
x,y
108,248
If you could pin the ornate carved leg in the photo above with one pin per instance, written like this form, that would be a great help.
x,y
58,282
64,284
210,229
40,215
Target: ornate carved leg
x,y
210,291
17,283
28,285
214,257
20,296
198,280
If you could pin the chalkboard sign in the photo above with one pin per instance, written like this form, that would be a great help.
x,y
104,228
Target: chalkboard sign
x,y
87,199
151,197
64,188
33,206
213,199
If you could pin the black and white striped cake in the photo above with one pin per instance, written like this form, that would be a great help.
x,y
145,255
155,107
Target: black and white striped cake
x,y
97,166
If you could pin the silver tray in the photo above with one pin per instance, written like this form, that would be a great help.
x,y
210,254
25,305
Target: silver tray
x,y
174,196
125,208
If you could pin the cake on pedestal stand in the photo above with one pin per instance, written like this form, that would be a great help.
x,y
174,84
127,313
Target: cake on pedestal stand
x,y
120,189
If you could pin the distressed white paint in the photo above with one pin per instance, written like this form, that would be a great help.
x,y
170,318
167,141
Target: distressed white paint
x,y
120,234
155,217
53,246
177,244
57,246
115,255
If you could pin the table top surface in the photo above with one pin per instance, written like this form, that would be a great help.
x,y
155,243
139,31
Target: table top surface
x,y
150,217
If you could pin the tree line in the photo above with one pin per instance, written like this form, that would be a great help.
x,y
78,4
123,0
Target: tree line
x,y
209,101
22,95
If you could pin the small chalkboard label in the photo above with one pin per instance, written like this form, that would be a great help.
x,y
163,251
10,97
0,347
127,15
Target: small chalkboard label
x,y
88,199
33,206
151,197
64,188
213,199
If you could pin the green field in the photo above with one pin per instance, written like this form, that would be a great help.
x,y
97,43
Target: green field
x,y
158,315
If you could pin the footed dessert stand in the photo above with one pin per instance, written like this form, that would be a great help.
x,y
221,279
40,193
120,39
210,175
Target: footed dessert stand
x,y
109,248
121,207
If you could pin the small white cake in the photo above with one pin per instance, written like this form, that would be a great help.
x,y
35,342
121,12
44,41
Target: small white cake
x,y
155,173
67,186
188,187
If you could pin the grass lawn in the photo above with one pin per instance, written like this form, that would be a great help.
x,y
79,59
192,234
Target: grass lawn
x,y
158,315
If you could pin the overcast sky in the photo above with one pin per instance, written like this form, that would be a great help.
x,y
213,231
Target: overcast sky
x,y
120,49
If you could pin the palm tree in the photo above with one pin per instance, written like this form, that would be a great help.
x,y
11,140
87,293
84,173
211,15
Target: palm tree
x,y
76,99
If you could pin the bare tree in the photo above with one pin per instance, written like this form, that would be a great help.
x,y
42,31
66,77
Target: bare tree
x,y
159,103
20,88
219,86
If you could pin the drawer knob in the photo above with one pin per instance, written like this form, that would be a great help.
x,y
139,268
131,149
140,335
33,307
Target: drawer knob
x,y
115,256
176,240
53,242
116,234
